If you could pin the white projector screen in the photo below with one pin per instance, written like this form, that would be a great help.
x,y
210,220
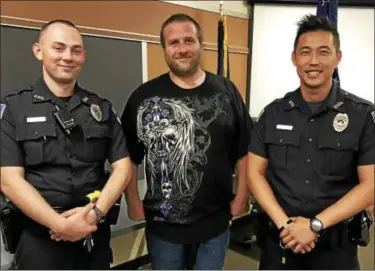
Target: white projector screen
x,y
272,71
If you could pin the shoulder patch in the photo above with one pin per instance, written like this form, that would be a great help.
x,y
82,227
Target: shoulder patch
x,y
2,110
373,116
260,114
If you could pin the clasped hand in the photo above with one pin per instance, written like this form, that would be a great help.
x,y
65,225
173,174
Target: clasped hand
x,y
298,236
77,224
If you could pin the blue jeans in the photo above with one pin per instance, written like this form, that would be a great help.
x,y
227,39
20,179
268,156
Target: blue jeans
x,y
168,256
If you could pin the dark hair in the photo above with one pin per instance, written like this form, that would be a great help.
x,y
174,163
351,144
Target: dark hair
x,y
59,21
180,17
310,23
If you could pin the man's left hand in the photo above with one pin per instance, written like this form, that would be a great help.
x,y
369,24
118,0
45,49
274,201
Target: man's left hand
x,y
370,209
239,205
90,219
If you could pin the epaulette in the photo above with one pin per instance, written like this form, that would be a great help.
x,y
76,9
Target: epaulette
x,y
276,101
95,97
355,98
29,89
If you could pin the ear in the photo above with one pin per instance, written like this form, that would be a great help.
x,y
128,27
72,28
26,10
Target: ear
x,y
37,50
84,55
294,58
339,56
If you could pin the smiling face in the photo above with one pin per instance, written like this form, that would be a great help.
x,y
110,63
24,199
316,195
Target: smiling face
x,y
182,48
60,49
315,59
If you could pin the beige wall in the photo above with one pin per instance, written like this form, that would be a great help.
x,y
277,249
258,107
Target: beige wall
x,y
232,8
126,19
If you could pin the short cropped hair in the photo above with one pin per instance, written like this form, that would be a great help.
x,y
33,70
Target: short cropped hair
x,y
310,23
180,17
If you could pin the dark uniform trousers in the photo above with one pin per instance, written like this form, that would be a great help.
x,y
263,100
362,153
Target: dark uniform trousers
x,y
333,251
37,251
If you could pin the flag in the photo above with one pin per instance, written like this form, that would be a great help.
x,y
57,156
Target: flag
x,y
2,109
328,8
222,48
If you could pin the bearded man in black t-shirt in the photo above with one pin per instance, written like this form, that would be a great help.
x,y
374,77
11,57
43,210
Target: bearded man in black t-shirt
x,y
193,129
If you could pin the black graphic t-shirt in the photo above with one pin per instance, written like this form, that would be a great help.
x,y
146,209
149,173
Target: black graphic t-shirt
x,y
191,140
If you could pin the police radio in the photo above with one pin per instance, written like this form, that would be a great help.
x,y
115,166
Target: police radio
x,y
64,119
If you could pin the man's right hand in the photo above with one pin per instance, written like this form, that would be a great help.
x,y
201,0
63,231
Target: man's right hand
x,y
75,227
285,238
135,210
289,240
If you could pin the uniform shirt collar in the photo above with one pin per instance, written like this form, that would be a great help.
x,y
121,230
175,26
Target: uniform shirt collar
x,y
334,101
43,94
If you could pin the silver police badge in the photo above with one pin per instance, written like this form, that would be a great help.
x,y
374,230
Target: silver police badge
x,y
340,122
96,112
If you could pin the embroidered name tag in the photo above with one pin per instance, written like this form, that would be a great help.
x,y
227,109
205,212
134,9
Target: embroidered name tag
x,y
35,119
284,127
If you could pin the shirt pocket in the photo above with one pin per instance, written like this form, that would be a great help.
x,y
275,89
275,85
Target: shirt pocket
x,y
338,153
97,137
282,147
33,137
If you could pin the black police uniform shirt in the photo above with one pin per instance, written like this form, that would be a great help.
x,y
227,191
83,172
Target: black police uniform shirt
x,y
63,168
192,140
313,157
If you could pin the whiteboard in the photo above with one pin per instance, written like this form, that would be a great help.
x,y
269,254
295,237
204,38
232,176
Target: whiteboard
x,y
273,73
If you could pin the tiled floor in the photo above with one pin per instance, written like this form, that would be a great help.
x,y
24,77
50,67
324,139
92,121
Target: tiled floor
x,y
133,245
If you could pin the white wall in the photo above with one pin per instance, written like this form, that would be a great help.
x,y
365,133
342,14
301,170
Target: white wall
x,y
273,73
232,8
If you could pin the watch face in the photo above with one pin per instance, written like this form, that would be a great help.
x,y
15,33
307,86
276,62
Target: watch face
x,y
316,225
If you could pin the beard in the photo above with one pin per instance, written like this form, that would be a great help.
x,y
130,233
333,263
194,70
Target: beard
x,y
183,72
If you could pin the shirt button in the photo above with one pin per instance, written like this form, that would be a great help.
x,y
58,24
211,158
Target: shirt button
x,y
312,120
307,182
308,161
35,133
281,140
306,204
310,139
338,144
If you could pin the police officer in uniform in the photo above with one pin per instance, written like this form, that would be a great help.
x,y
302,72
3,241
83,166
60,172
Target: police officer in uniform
x,y
311,161
55,139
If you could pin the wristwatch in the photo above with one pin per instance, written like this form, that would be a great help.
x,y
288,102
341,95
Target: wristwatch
x,y
100,216
316,225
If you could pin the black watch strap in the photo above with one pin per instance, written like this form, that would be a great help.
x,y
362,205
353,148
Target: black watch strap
x,y
100,216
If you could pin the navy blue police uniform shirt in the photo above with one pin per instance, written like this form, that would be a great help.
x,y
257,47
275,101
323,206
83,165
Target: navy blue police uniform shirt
x,y
191,140
63,168
313,157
